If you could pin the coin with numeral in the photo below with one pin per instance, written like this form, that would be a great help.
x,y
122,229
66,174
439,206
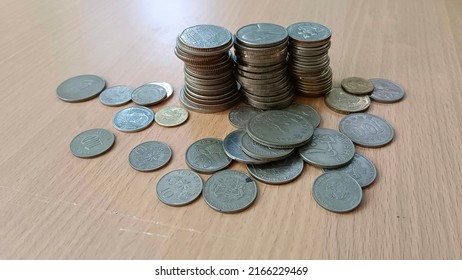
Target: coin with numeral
x,y
92,143
150,156
207,155
359,168
179,187
367,130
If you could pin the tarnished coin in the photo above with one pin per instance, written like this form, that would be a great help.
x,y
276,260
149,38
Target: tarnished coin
x,y
357,85
80,88
359,168
278,172
239,116
205,36
132,119
116,95
149,94
207,155
345,103
168,88
386,91
337,192
179,187
328,149
261,35
307,111
150,156
367,130
261,152
229,191
232,146
309,33
171,116
92,143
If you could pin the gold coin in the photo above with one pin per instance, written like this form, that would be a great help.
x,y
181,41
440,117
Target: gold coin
x,y
343,102
358,86
171,116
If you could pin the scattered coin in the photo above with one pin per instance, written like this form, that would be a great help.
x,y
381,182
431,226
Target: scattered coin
x,y
80,88
116,95
307,111
150,156
345,103
232,146
359,168
230,191
92,143
357,85
386,91
149,94
278,172
179,187
207,155
261,152
133,119
239,116
367,130
168,88
171,116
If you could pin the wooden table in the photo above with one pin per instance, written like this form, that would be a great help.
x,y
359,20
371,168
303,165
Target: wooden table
x,y
54,205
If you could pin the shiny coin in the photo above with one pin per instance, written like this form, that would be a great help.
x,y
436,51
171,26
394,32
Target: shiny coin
x,y
80,88
306,111
328,149
261,35
205,37
239,116
230,191
150,156
386,91
132,119
171,116
168,88
92,143
360,168
309,33
278,172
337,192
232,146
207,155
343,102
179,187
367,130
116,95
149,94
261,152
357,85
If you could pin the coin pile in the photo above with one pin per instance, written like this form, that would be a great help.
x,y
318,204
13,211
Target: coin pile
x,y
261,53
309,43
210,85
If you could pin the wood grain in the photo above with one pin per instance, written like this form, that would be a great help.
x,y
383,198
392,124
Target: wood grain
x,y
54,205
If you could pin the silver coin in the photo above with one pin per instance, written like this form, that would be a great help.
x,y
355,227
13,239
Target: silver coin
x,y
205,36
168,88
232,146
132,119
328,149
116,95
149,94
337,192
386,91
92,143
229,191
179,187
309,32
207,155
278,172
239,116
261,35
307,111
261,152
150,156
80,88
367,130
359,168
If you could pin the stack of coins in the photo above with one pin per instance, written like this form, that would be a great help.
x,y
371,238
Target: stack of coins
x,y
309,43
210,85
261,53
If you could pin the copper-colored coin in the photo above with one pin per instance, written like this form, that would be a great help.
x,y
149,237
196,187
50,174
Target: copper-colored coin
x,y
357,85
345,103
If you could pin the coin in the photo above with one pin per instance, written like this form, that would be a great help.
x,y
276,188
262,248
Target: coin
x,y
261,35
205,36
357,85
207,155
150,156
171,116
232,146
116,95
359,168
309,33
80,88
307,111
149,94
239,116
328,149
367,130
337,192
343,102
168,88
133,119
278,172
261,152
92,143
179,187
229,191
386,91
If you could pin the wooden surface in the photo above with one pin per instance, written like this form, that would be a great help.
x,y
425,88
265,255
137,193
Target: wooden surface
x,y
54,205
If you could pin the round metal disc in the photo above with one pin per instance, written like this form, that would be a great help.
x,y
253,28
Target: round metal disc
x,y
150,156
80,88
133,119
179,187
278,172
359,168
207,155
367,130
116,95
92,143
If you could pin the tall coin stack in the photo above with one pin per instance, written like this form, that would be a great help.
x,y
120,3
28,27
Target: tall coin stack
x,y
261,57
210,85
309,43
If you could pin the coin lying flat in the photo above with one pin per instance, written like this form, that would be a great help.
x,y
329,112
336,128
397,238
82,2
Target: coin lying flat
x,y
132,119
116,95
80,88
307,111
357,85
239,116
92,143
309,33
205,36
207,155
171,116
167,87
232,146
229,191
359,168
261,35
150,156
386,91
179,187
345,103
367,130
149,94
278,172
261,152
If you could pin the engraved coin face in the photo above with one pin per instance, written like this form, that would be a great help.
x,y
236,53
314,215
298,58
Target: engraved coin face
x,y
205,36
179,187
259,151
359,168
149,94
207,155
239,116
150,156
116,95
278,172
357,85
167,87
92,143
345,103
386,91
309,32
261,35
232,146
229,191
171,116
80,88
328,149
132,119
367,130
337,192
306,111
